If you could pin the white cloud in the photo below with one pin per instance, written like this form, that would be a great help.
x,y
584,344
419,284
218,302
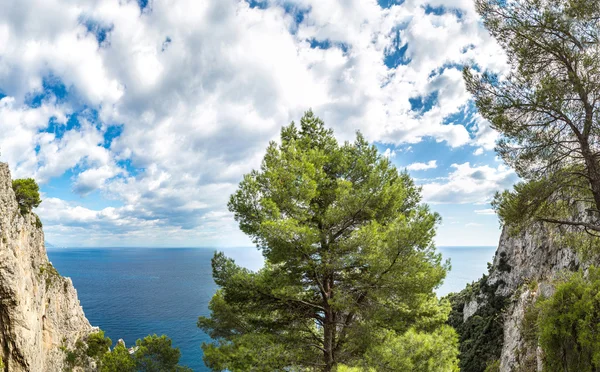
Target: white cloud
x,y
478,151
485,136
389,153
200,87
468,184
487,212
473,224
432,164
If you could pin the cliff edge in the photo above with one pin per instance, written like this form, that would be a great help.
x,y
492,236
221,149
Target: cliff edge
x,y
489,314
40,315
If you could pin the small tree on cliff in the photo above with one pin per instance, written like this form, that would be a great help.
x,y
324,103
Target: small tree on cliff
x,y
349,261
546,108
27,192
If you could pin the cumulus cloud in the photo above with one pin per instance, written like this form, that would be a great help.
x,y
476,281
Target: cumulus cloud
x,y
469,184
198,88
432,164
389,153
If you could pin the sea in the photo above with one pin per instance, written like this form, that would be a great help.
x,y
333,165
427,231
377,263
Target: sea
x,y
132,292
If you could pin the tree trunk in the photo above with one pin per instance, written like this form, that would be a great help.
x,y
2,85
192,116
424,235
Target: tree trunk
x,y
329,328
593,169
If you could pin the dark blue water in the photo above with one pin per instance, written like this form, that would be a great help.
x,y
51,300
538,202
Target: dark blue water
x,y
133,292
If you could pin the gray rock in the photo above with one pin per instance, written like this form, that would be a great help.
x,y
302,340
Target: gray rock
x,y
39,309
532,256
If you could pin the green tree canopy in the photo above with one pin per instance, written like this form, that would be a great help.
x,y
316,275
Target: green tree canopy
x,y
349,259
546,108
118,360
27,193
567,324
157,354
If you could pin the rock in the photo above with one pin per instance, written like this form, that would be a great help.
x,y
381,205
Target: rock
x,y
530,257
39,309
470,309
524,269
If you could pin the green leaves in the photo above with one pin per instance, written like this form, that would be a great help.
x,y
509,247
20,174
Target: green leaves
x,y
416,351
348,253
156,354
27,193
568,323
151,354
118,360
97,344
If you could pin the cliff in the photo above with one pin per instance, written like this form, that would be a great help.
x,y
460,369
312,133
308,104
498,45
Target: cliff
x,y
40,315
489,314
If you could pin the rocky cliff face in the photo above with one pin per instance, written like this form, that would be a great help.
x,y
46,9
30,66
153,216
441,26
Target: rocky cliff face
x,y
489,314
40,314
532,261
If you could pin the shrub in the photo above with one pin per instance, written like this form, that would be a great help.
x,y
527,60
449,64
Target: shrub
x,y
118,360
28,194
569,324
97,345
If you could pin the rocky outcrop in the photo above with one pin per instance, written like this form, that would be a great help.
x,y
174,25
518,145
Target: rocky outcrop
x,y
534,258
40,315
489,314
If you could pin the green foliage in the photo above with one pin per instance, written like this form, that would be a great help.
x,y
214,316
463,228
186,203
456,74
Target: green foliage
x,y
526,355
493,366
344,368
76,357
416,351
481,336
50,273
27,193
118,360
1,364
569,324
545,109
153,354
156,354
38,222
348,254
97,345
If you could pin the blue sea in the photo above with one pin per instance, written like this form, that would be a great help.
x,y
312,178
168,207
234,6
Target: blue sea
x,y
133,292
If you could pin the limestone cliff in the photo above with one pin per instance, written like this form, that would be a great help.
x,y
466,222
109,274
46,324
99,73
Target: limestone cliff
x,y
489,314
40,314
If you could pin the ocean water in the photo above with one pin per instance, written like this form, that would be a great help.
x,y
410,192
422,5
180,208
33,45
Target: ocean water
x,y
133,292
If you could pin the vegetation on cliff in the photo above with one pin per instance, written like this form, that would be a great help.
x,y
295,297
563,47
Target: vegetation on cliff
x,y
481,334
27,192
566,325
151,354
350,265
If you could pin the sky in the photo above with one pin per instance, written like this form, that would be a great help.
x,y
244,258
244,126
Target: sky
x,y
138,118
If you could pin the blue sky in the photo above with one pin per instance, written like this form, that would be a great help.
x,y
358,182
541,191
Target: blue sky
x,y
138,118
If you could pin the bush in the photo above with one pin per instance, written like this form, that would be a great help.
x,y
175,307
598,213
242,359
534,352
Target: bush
x,y
28,194
416,351
569,324
118,360
156,354
482,335
97,345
